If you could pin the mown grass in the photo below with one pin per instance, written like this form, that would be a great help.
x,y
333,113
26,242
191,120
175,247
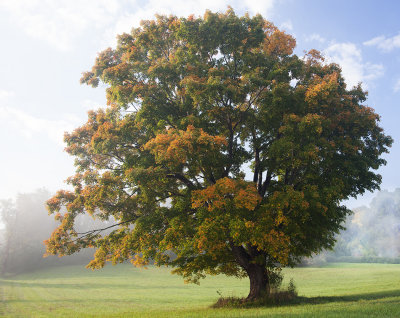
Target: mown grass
x,y
335,290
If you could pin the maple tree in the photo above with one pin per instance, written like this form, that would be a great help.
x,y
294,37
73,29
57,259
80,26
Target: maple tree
x,y
219,145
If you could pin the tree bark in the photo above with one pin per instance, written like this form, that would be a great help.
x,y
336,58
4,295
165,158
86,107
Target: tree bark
x,y
258,273
259,282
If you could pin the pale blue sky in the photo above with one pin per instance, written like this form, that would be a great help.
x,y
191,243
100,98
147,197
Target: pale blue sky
x,y
46,44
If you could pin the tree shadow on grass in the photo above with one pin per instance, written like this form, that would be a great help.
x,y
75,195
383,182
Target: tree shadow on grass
x,y
349,298
302,300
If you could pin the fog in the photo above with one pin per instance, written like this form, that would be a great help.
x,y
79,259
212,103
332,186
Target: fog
x,y
26,224
372,234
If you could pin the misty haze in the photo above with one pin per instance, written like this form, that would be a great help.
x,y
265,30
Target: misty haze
x,y
372,234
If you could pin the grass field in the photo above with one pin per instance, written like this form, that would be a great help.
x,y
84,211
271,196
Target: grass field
x,y
335,290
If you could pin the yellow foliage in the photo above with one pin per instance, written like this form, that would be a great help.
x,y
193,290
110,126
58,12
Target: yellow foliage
x,y
239,193
139,261
322,88
177,146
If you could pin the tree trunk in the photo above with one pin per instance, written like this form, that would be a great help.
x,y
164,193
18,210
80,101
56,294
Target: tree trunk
x,y
258,274
259,282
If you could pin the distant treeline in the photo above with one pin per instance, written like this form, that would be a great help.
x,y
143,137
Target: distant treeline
x,y
363,259
25,224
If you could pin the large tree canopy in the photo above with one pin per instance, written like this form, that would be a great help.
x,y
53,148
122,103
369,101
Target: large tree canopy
x,y
219,145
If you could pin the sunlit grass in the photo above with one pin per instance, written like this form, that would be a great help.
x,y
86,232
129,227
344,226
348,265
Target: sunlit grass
x,y
336,290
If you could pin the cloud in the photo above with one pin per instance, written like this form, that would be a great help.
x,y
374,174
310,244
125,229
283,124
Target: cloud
x,y
384,44
146,11
61,22
355,70
253,7
315,37
29,125
5,94
396,87
287,25
89,104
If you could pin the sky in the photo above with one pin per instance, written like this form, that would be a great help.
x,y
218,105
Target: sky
x,y
47,44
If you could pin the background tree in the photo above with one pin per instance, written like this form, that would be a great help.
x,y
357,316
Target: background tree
x,y
8,220
25,228
25,225
220,145
372,232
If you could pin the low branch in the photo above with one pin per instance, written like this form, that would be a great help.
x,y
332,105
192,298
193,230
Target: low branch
x,y
97,231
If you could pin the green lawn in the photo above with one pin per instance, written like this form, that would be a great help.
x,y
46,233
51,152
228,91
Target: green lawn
x,y
336,290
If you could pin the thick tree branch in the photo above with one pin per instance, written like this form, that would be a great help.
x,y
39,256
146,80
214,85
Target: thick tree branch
x,y
256,165
230,148
182,178
266,183
241,256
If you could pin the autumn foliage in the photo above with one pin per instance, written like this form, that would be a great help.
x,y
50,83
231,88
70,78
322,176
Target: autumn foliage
x,y
220,151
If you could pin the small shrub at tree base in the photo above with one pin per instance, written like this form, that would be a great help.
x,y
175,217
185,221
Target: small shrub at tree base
x,y
277,297
292,287
276,278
